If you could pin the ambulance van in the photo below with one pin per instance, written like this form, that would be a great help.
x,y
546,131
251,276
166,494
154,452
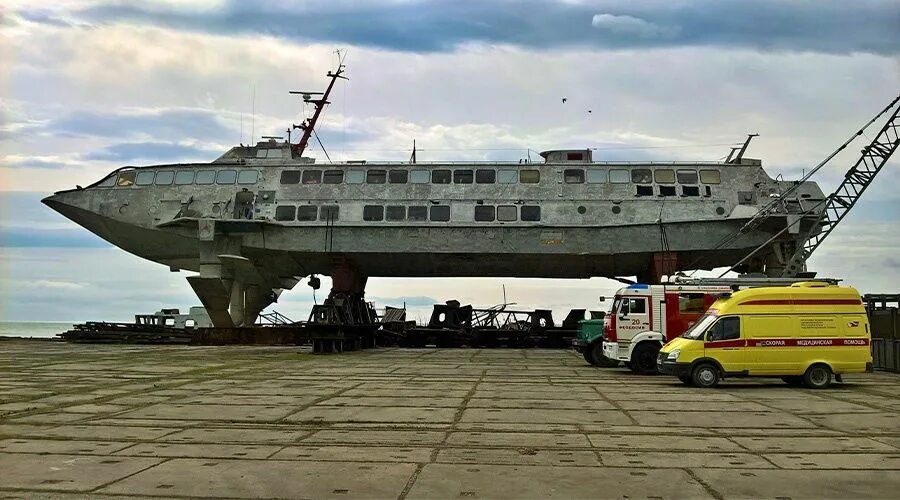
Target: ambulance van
x,y
807,333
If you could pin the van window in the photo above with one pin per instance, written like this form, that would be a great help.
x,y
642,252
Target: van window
x,y
728,328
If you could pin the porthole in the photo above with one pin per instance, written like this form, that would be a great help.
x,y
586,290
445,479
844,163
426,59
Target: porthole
x,y
582,210
720,210
616,209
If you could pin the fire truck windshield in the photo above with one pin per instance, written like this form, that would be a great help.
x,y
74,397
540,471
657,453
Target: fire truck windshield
x,y
697,329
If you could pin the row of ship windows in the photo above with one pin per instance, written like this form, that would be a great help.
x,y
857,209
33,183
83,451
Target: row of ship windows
x,y
501,176
180,178
400,213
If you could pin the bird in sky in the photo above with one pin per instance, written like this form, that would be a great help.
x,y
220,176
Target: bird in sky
x,y
564,99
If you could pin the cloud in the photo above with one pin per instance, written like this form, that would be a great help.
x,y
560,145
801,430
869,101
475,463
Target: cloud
x,y
152,152
632,26
172,124
442,25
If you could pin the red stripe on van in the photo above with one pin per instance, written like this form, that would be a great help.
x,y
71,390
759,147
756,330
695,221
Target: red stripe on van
x,y
801,342
803,302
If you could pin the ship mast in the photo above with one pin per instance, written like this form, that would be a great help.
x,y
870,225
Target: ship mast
x,y
308,126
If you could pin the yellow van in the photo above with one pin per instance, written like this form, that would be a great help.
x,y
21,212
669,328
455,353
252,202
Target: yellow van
x,y
804,333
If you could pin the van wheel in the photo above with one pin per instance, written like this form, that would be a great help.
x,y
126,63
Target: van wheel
x,y
597,358
686,379
643,357
705,375
817,376
793,380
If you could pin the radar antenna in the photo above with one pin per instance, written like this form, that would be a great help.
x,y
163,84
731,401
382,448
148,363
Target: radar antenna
x,y
308,126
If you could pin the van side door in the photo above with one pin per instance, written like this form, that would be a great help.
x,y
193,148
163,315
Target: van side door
x,y
724,343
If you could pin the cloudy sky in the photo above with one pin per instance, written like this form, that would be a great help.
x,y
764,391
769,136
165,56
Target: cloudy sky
x,y
90,85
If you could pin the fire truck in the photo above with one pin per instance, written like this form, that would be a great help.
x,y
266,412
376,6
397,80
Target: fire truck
x,y
644,317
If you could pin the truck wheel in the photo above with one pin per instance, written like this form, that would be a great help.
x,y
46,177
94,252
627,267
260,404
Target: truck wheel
x,y
686,379
643,357
705,375
793,380
597,358
817,376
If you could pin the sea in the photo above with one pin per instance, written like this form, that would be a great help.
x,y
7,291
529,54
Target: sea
x,y
40,329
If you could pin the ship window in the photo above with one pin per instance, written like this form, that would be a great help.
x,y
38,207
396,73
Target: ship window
x,y
108,182
165,177
312,177
285,212
395,213
307,212
440,213
484,213
330,213
531,213
667,191
356,177
644,191
418,213
687,176
205,177
260,153
596,176
226,177
506,213
373,212
184,177
462,176
376,177
573,175
398,176
485,176
440,177
274,153
248,177
618,177
333,176
664,176
287,177
507,176
574,156
529,176
144,178
690,190
419,177
641,176
710,177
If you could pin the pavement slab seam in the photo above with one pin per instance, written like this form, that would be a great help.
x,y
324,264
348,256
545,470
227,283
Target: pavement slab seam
x,y
706,486
615,404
